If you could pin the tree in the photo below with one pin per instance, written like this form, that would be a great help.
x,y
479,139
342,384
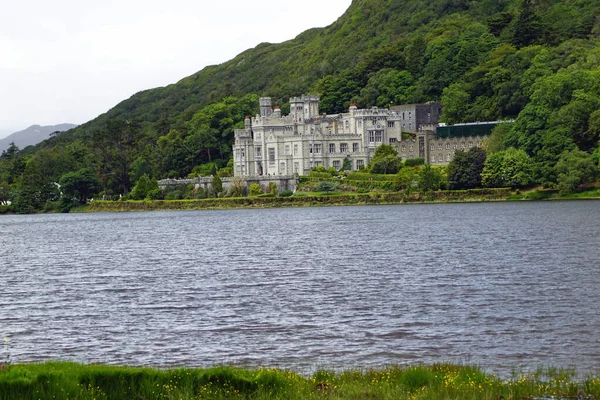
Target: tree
x,y
574,168
385,160
80,185
35,189
464,171
144,187
429,178
455,101
217,185
405,178
511,167
5,193
238,187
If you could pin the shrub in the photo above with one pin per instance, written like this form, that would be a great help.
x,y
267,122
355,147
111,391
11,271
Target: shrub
x,y
285,193
327,186
255,190
412,162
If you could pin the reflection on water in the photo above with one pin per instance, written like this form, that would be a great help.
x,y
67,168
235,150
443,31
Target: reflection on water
x,y
501,285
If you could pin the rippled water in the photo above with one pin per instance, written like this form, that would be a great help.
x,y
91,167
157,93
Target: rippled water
x,y
505,285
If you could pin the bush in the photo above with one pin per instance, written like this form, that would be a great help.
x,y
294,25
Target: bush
x,y
173,195
255,190
285,193
326,186
412,162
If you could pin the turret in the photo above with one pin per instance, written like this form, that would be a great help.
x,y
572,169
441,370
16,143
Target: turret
x,y
265,106
277,112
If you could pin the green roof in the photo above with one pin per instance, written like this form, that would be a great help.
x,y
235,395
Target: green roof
x,y
466,130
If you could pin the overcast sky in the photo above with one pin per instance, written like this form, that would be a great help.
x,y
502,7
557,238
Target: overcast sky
x,y
71,60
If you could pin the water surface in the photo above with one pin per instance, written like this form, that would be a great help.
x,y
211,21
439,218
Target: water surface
x,y
503,285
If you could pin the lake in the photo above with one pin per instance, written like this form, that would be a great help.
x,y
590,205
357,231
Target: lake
x,y
501,285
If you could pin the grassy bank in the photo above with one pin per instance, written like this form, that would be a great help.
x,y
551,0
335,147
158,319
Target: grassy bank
x,y
304,200
443,381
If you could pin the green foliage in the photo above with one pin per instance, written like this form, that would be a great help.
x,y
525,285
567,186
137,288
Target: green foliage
x,y
507,168
80,185
327,186
286,193
217,186
406,178
412,162
144,187
429,178
464,171
255,189
385,160
575,168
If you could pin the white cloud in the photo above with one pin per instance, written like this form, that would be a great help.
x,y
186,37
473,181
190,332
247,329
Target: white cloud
x,y
69,61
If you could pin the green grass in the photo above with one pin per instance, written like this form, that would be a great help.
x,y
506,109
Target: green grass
x,y
440,381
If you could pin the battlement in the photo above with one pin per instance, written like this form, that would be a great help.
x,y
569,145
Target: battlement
x,y
305,98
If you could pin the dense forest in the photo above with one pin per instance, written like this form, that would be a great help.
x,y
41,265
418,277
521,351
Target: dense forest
x,y
536,62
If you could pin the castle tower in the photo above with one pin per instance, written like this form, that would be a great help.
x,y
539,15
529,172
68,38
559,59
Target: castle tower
x,y
265,106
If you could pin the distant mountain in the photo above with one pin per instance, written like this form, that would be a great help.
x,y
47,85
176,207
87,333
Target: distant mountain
x,y
32,135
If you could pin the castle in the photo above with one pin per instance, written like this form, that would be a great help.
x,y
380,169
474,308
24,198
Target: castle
x,y
272,144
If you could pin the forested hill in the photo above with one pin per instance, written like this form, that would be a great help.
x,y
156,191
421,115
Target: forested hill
x,y
535,61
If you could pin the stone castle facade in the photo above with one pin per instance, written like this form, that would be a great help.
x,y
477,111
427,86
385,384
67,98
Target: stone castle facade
x,y
272,144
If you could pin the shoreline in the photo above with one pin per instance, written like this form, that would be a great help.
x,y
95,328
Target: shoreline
x,y
368,199
328,200
52,380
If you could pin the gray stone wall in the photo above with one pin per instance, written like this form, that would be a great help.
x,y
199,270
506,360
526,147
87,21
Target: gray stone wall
x,y
283,182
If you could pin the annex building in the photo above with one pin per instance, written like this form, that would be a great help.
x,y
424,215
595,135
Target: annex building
x,y
273,144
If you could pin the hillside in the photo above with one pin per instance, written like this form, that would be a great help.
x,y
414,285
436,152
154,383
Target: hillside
x,y
535,61
32,135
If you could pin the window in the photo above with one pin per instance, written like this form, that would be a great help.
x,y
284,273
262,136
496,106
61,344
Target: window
x,y
296,167
295,149
448,146
432,147
258,152
282,168
411,148
391,124
360,124
287,149
470,144
432,158
375,136
403,148
343,147
410,126
440,157
462,145
355,147
243,153
318,147
410,115
332,147
271,154
347,125
393,140
455,146
448,157
440,146
337,164
360,164
310,148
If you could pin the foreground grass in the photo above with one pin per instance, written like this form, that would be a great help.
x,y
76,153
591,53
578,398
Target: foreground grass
x,y
442,381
